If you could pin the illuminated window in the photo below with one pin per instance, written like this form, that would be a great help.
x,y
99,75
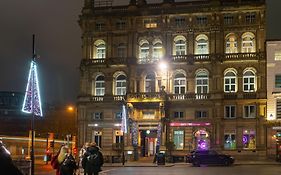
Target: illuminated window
x,y
150,23
230,80
121,24
277,81
144,52
230,140
118,137
99,49
249,84
179,84
202,45
121,85
249,139
249,111
97,137
100,26
201,82
248,43
99,86
157,51
230,111
179,45
150,83
277,55
179,139
231,44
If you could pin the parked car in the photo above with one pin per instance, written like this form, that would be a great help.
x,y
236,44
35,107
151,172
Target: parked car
x,y
209,157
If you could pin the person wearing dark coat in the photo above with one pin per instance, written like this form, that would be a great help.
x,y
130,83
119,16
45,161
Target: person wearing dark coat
x,y
89,166
7,166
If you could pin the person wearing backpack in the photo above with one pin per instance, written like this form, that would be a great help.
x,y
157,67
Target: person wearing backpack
x,y
92,160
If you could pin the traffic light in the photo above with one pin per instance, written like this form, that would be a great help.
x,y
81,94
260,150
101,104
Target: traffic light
x,y
75,151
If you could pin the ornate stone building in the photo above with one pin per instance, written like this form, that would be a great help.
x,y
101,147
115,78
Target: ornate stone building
x,y
190,73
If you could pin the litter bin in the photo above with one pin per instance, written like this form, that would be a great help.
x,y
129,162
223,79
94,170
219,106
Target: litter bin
x,y
161,159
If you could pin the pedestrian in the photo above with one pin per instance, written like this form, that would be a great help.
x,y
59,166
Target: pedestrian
x,y
7,166
92,160
82,152
59,158
68,165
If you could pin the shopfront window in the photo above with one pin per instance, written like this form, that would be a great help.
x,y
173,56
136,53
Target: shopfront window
x,y
229,140
249,139
178,139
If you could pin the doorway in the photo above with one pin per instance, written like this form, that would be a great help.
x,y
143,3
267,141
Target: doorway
x,y
148,142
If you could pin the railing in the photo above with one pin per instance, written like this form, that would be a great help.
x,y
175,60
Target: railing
x,y
231,95
188,96
249,95
241,56
146,95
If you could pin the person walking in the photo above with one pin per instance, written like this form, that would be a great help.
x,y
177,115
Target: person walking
x,y
57,160
92,160
68,165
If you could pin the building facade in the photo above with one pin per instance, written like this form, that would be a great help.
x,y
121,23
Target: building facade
x,y
273,50
191,74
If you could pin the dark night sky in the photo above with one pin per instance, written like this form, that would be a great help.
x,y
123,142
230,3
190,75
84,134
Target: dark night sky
x,y
54,22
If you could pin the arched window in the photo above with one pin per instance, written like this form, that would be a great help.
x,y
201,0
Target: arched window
x,y
99,49
179,45
248,43
231,44
201,45
143,51
157,51
179,84
150,83
121,50
99,85
230,81
121,85
249,81
202,82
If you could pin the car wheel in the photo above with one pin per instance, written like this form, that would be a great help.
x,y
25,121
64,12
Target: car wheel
x,y
196,163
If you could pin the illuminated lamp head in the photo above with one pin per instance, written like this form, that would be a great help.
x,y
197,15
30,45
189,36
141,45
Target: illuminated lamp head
x,y
202,145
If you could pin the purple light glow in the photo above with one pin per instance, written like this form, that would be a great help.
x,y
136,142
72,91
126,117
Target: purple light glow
x,y
245,139
202,145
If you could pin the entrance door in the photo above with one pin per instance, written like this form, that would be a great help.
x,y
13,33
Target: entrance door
x,y
148,142
202,141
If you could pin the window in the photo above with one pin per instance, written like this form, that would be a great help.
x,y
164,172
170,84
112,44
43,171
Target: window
x,y
248,43
150,83
148,115
150,23
230,82
157,51
277,55
179,139
250,18
179,45
178,114
201,46
97,116
278,108
231,44
201,20
120,24
229,111
101,51
99,86
118,137
100,26
249,84
179,84
277,81
249,139
201,82
180,22
229,140
121,50
118,115
200,114
97,136
250,111
144,52
228,19
121,85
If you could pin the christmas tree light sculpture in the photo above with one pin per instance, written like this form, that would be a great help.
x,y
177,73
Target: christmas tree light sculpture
x,y
32,101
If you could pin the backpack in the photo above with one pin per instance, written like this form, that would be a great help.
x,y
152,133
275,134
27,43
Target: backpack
x,y
93,159
68,165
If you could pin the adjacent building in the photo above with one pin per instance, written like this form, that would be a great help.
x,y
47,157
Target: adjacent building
x,y
190,73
